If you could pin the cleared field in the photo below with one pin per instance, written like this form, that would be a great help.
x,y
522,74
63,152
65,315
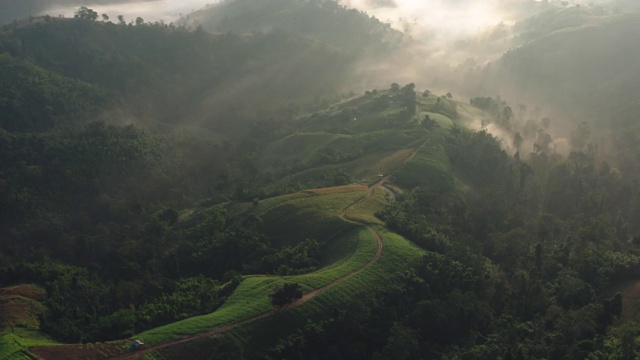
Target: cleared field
x,y
439,105
19,323
252,297
298,147
398,253
20,307
442,120
630,291
364,211
311,217
364,170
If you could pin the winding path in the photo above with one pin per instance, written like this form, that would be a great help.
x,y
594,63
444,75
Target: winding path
x,y
306,297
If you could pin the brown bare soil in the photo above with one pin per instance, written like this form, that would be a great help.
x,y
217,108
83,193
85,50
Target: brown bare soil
x,y
28,291
20,306
81,352
630,291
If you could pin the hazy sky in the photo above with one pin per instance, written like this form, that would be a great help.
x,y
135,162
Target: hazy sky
x,y
166,10
455,17
451,17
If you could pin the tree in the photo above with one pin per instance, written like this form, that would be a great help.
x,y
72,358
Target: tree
x,y
517,141
121,20
105,17
139,21
286,294
580,136
85,13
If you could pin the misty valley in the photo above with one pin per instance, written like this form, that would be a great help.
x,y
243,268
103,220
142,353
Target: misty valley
x,y
319,179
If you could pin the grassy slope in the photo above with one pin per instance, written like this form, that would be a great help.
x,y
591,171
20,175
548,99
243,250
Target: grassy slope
x,y
429,167
313,213
252,296
364,212
366,154
293,217
310,217
298,147
19,324
262,333
364,170
397,250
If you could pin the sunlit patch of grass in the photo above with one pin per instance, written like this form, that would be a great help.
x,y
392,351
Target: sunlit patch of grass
x,y
430,167
398,254
310,217
20,309
298,147
442,120
364,212
252,297
364,170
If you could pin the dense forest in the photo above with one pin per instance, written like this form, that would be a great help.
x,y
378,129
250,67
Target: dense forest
x,y
78,192
134,158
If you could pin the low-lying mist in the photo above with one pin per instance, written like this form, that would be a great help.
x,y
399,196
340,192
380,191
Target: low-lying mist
x,y
452,46
458,47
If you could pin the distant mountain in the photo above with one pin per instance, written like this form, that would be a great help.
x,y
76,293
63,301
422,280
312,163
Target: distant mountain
x,y
323,20
20,9
591,70
163,73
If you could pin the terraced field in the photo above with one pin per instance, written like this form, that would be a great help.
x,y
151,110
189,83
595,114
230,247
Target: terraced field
x,y
20,307
364,255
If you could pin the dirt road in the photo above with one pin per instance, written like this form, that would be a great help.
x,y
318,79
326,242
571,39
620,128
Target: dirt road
x,y
306,297
51,351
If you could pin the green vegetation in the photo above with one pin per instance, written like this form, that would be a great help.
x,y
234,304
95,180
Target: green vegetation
x,y
365,210
159,182
20,311
316,216
362,286
576,70
326,21
252,297
288,293
430,167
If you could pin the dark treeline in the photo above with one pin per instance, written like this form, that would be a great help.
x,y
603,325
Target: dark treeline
x,y
92,209
158,73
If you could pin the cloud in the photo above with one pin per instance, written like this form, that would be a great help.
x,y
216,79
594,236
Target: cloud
x,y
381,4
446,18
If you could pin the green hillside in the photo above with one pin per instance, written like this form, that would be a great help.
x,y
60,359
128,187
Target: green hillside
x,y
155,73
20,311
237,194
322,20
587,70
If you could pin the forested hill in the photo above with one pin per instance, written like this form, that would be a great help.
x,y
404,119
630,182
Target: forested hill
x,y
326,21
59,70
581,63
15,10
